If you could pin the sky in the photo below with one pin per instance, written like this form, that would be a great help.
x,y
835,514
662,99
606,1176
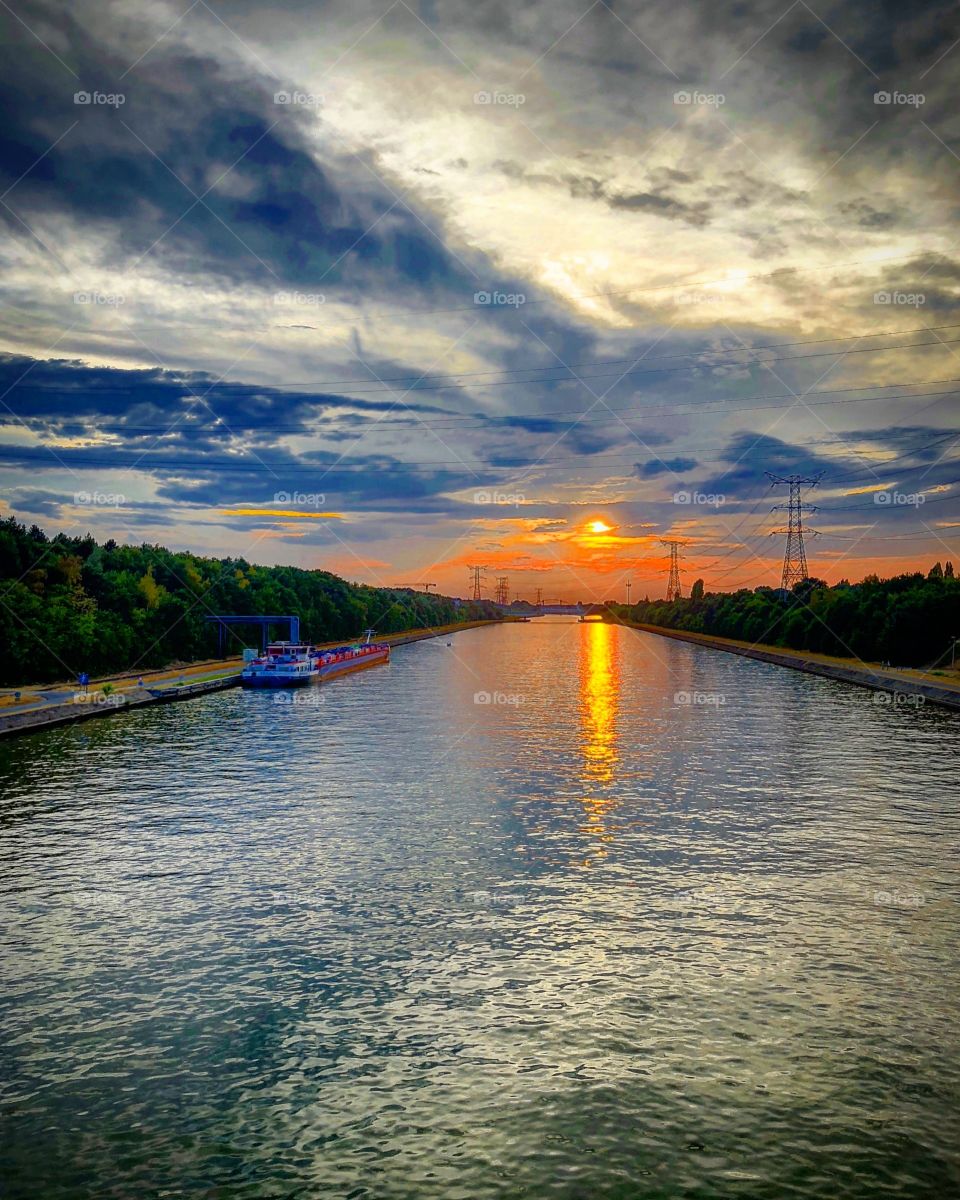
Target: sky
x,y
396,289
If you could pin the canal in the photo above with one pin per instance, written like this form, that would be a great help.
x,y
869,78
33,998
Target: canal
x,y
546,910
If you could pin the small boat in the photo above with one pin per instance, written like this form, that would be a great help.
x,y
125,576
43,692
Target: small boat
x,y
296,664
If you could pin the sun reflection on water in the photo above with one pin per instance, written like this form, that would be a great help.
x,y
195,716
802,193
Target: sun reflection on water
x,y
599,699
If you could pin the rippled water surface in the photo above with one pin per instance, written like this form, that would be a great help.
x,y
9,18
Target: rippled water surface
x,y
552,910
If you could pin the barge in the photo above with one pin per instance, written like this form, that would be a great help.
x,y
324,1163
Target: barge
x,y
298,664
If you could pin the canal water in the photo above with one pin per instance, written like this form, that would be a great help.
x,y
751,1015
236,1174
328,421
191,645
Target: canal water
x,y
548,910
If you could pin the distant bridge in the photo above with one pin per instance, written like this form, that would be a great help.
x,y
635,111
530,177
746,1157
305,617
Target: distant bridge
x,y
550,610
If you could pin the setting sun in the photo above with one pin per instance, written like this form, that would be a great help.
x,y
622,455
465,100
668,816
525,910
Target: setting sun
x,y
598,527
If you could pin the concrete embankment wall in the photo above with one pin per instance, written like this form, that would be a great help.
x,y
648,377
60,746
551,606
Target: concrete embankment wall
x,y
50,715
863,676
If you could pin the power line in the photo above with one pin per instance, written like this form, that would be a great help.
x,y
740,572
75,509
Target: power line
x,y
621,415
663,287
901,507
256,389
615,414
42,454
894,537
584,379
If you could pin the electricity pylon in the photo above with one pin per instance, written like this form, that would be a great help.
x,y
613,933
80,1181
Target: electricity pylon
x,y
539,600
794,555
475,573
503,590
674,591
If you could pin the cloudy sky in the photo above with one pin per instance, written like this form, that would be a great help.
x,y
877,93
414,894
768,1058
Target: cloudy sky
x,y
395,288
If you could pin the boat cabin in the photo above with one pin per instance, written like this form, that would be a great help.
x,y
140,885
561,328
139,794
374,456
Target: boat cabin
x,y
288,650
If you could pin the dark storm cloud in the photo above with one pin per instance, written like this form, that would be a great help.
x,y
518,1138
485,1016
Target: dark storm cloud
x,y
664,206
864,214
37,502
209,443
70,398
352,481
918,456
191,127
659,200
658,466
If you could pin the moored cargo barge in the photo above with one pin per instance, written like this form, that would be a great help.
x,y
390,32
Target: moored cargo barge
x,y
297,664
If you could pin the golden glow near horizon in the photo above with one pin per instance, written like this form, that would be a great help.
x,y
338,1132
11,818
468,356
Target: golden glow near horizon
x,y
599,527
599,697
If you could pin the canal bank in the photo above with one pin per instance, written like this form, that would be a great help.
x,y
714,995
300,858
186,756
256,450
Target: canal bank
x,y
63,704
899,686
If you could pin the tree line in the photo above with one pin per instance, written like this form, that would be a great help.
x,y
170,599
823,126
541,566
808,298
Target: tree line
x,y
909,620
71,604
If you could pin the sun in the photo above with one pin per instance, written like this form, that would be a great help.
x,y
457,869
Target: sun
x,y
598,527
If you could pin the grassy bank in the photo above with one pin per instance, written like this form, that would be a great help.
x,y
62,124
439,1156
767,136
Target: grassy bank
x,y
940,687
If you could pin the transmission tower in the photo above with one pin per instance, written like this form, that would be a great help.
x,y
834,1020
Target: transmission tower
x,y
794,556
503,590
673,583
475,573
539,600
